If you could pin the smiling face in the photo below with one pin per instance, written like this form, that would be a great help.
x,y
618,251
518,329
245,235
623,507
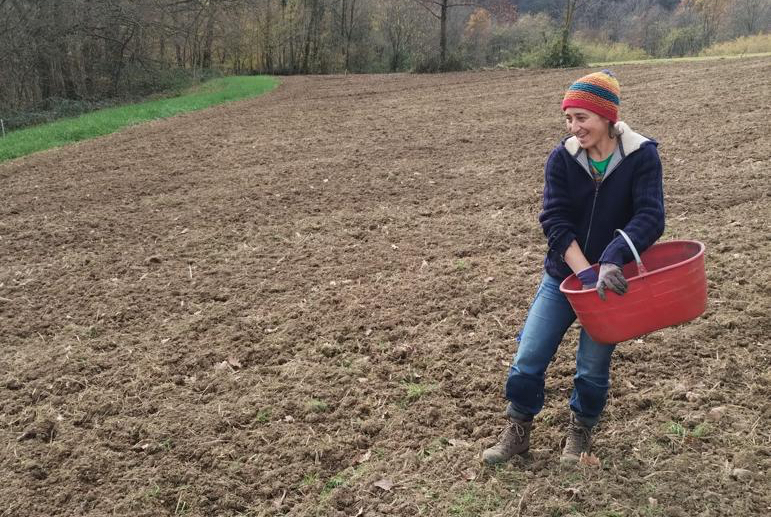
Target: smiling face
x,y
590,128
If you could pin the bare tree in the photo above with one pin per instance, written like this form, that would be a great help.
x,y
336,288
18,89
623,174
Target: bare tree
x,y
347,17
570,11
399,25
440,10
750,17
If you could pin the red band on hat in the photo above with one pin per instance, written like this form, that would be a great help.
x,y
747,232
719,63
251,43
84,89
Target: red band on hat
x,y
609,114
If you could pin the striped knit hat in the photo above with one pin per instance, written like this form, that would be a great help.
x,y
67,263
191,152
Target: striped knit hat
x,y
598,92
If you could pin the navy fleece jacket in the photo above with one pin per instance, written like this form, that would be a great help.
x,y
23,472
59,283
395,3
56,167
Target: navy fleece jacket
x,y
630,197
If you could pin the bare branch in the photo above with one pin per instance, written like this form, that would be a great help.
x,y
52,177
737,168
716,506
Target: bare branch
x,y
423,4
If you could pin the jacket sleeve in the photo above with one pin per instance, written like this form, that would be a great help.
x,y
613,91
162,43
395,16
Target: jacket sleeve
x,y
555,218
647,222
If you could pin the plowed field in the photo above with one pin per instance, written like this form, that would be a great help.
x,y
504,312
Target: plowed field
x,y
306,303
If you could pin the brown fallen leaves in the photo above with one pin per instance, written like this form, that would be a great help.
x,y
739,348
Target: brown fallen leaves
x,y
384,484
364,457
590,460
230,365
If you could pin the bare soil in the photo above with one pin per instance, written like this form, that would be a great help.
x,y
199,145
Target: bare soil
x,y
306,303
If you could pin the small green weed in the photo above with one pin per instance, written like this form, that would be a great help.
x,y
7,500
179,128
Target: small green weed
x,y
470,503
317,406
649,488
166,444
263,416
461,264
415,390
341,478
572,478
676,429
309,479
652,511
702,430
152,493
334,482
510,476
437,445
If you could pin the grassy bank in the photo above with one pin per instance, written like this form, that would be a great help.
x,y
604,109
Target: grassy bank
x,y
102,122
663,61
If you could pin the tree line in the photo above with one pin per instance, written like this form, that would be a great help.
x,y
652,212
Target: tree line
x,y
91,50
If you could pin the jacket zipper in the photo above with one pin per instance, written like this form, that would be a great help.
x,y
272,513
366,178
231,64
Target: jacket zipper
x,y
591,216
596,194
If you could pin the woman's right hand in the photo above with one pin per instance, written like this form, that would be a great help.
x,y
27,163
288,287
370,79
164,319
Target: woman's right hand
x,y
588,278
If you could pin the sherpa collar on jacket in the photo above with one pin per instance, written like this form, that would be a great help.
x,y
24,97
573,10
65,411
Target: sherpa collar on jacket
x,y
628,143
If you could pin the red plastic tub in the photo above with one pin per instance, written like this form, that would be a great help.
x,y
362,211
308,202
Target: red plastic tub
x,y
667,286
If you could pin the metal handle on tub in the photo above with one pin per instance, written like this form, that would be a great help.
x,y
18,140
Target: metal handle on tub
x,y
641,270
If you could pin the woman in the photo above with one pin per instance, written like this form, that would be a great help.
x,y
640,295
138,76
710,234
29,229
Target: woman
x,y
603,177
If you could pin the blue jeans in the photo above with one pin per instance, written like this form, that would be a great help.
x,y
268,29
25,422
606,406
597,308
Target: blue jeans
x,y
549,318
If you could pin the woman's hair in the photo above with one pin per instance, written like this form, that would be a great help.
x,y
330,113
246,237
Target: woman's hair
x,y
613,131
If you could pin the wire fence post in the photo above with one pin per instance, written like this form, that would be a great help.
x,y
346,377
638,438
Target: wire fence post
x,y
2,126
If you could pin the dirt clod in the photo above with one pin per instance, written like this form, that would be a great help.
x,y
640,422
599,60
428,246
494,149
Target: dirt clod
x,y
742,474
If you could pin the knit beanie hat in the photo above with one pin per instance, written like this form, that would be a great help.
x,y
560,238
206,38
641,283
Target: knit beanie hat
x,y
598,92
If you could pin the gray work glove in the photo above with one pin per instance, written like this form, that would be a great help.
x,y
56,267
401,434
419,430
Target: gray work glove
x,y
611,277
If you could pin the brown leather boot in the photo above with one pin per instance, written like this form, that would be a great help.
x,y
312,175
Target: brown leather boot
x,y
515,439
579,440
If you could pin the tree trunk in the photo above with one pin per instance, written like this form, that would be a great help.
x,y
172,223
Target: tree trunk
x,y
206,58
267,45
349,36
162,40
569,11
443,34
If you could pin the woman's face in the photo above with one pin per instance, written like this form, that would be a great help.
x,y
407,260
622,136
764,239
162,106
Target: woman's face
x,y
587,126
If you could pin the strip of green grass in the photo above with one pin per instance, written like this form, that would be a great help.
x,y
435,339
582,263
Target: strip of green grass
x,y
664,61
102,122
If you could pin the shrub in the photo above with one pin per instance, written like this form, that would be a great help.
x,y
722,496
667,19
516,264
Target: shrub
x,y
606,51
534,42
526,35
683,41
49,110
142,82
745,45
549,56
555,57
432,64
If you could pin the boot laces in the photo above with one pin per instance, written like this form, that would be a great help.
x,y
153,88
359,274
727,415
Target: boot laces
x,y
512,434
579,438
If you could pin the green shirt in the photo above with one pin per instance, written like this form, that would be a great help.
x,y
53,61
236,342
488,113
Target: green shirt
x,y
599,168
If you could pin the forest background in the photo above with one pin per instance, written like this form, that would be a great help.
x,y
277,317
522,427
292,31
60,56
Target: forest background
x,y
61,58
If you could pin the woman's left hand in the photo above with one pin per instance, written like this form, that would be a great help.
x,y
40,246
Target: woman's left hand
x,y
611,277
